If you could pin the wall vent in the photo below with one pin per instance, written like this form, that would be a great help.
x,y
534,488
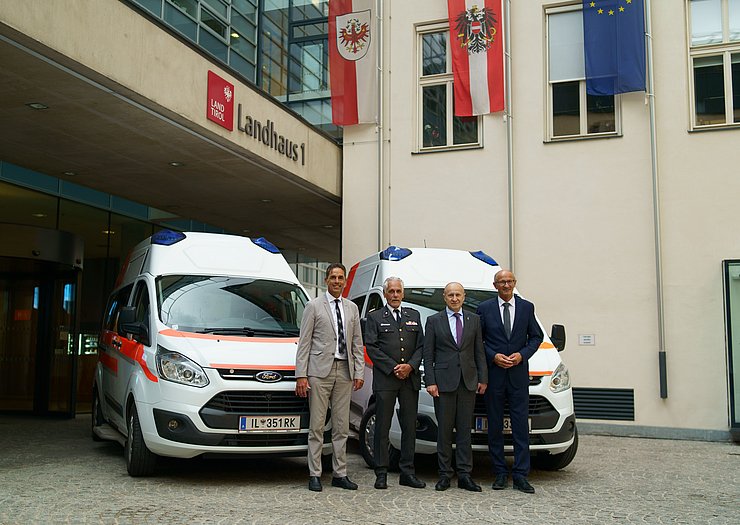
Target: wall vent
x,y
604,403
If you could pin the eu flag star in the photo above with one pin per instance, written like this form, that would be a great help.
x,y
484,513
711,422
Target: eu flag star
x,y
600,11
611,12
593,4
621,9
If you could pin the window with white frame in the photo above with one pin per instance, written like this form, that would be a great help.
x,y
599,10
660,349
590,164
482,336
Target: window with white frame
x,y
571,111
438,128
714,54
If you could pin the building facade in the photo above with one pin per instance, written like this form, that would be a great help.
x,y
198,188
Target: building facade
x,y
638,263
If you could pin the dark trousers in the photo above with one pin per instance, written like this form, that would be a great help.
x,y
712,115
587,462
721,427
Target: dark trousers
x,y
385,402
518,399
454,410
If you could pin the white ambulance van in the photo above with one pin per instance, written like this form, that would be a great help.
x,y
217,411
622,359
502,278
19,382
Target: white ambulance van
x,y
425,272
197,352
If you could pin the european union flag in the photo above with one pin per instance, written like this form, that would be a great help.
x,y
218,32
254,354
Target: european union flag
x,y
614,46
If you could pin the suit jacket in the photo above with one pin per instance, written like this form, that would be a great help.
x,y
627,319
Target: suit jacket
x,y
445,362
389,344
318,340
526,337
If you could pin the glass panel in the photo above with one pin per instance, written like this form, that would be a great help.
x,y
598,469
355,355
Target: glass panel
x,y
181,22
243,26
464,129
209,19
63,344
732,290
243,66
309,30
213,45
274,46
434,53
734,10
246,7
318,113
706,22
736,87
565,41
600,114
309,9
434,111
566,113
154,6
218,6
243,45
709,90
430,300
22,206
189,6
309,72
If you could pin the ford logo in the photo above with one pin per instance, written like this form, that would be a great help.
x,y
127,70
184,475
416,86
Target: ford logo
x,y
268,376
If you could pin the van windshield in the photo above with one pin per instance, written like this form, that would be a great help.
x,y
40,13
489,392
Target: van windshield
x,y
230,305
430,300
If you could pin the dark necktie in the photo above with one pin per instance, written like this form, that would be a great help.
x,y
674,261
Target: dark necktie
x,y
458,328
397,315
507,320
340,330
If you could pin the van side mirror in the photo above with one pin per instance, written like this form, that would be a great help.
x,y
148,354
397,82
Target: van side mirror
x,y
127,324
557,336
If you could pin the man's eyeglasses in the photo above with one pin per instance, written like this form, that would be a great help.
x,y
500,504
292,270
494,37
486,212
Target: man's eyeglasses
x,y
509,282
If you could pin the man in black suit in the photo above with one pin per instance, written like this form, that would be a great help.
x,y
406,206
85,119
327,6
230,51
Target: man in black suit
x,y
394,342
454,370
511,336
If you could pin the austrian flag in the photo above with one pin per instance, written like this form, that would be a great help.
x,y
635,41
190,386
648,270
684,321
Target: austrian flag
x,y
352,65
477,47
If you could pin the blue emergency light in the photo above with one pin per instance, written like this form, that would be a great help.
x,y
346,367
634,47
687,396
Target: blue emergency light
x,y
484,257
394,253
167,237
265,245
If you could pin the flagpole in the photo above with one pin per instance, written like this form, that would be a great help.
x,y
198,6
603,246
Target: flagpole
x,y
509,131
656,206
379,77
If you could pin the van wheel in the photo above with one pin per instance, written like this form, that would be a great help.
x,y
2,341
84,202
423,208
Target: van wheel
x,y
96,418
367,442
140,460
557,461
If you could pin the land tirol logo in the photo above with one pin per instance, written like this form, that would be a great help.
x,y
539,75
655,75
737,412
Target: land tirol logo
x,y
220,107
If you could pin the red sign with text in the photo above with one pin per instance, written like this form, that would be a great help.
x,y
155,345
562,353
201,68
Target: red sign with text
x,y
220,101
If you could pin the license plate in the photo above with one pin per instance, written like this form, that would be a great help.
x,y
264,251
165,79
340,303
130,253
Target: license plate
x,y
481,425
269,423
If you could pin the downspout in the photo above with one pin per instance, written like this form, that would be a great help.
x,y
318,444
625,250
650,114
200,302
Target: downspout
x,y
509,131
381,185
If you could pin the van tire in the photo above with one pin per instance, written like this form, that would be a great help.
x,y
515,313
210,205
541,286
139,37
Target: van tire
x,y
557,461
140,461
367,438
96,417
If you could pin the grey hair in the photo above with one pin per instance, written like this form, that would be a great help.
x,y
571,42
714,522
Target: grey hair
x,y
390,280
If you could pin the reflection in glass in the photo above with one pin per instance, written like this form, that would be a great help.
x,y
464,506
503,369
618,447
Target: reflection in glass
x,y
736,87
734,12
709,90
209,20
434,101
430,300
600,113
189,6
213,45
464,129
22,206
309,72
434,53
566,117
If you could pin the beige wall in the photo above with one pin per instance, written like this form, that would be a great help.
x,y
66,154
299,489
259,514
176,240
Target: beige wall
x,y
583,214
116,42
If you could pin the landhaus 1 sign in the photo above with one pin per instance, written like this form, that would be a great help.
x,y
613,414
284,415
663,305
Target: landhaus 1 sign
x,y
220,101
221,111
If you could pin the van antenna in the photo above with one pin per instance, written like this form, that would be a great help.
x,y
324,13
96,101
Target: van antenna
x,y
425,243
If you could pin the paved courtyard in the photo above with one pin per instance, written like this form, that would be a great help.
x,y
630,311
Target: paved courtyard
x,y
52,472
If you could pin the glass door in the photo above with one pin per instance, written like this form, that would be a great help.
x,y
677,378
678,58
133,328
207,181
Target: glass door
x,y
732,321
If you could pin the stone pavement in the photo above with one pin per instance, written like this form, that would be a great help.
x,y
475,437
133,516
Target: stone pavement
x,y
52,472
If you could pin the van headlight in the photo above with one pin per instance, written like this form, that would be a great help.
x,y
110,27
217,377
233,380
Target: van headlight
x,y
177,368
560,379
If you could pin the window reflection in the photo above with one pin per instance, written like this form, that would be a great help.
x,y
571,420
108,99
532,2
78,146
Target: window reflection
x,y
434,103
709,90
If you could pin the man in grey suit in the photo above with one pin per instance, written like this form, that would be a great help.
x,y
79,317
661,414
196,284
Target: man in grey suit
x,y
454,370
394,341
329,364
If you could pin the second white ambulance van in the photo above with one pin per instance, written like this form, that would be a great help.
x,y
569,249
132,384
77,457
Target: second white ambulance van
x,y
425,272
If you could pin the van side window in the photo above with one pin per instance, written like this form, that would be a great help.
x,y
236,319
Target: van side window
x,y
360,302
141,303
115,302
374,302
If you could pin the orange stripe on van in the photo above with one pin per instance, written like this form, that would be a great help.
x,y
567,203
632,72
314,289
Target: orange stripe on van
x,y
192,335
544,373
368,361
289,368
545,344
350,278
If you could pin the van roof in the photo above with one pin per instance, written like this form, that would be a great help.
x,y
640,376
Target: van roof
x,y
435,267
198,253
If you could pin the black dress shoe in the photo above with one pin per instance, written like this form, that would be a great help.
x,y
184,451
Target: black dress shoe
x,y
381,481
409,480
467,483
523,485
500,482
343,483
443,483
314,484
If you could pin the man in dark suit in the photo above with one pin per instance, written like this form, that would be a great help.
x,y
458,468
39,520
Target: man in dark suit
x,y
329,364
511,336
394,342
454,370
